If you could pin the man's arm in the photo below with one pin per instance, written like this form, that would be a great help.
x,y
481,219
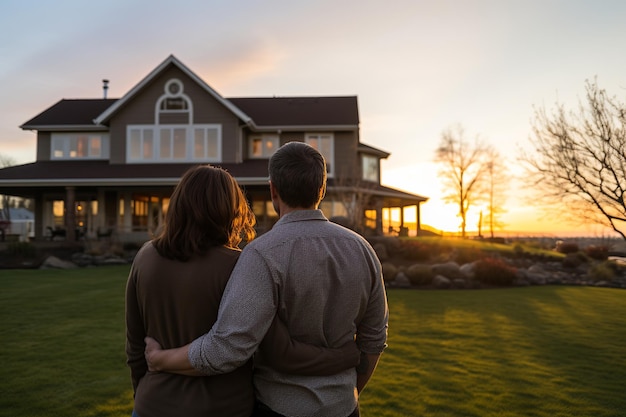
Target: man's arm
x,y
174,361
365,369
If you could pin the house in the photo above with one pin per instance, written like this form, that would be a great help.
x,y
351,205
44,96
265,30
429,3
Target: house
x,y
110,165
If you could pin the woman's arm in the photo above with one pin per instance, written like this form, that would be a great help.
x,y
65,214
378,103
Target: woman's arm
x,y
134,333
285,354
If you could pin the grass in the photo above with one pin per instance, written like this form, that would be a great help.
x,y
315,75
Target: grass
x,y
534,351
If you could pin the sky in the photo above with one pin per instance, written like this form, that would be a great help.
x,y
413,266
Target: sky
x,y
417,67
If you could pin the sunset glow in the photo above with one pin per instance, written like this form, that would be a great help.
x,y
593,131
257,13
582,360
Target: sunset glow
x,y
417,68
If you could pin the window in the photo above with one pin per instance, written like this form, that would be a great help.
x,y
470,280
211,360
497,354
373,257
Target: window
x,y
174,101
263,146
141,144
323,142
174,137
168,143
370,168
79,146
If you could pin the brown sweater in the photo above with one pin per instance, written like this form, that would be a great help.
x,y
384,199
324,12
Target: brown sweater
x,y
176,302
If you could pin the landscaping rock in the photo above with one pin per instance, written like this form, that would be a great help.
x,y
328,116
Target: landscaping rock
x,y
450,270
401,281
54,262
420,274
441,282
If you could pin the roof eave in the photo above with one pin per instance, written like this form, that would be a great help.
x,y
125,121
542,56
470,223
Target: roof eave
x,y
64,128
94,182
296,128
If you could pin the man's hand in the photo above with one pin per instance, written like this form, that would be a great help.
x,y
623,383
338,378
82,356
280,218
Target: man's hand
x,y
153,349
169,360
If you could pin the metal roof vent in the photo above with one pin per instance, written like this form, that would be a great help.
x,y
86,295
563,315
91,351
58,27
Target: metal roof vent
x,y
105,87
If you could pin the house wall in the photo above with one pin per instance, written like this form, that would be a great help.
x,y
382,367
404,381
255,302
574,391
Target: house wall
x,y
346,161
206,110
346,155
44,142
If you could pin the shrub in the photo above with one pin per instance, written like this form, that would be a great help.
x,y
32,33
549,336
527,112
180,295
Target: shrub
x,y
564,247
494,271
575,259
599,253
417,251
468,255
603,271
21,249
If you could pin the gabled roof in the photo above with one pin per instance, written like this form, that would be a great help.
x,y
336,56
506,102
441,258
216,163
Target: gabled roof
x,y
71,114
171,60
300,112
260,113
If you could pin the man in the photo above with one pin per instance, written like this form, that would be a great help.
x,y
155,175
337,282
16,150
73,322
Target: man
x,y
323,281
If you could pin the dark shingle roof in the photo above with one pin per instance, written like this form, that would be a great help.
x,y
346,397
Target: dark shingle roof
x,y
300,111
264,111
70,112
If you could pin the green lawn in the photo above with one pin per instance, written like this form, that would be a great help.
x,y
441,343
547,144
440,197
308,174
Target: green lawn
x,y
535,351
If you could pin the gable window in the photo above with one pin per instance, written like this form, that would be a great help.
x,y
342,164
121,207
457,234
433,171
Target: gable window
x,y
370,168
79,146
263,146
174,137
324,143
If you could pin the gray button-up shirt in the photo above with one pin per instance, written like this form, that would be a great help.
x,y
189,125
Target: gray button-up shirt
x,y
325,282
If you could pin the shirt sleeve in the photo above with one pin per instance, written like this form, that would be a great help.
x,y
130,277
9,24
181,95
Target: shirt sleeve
x,y
246,311
135,332
371,336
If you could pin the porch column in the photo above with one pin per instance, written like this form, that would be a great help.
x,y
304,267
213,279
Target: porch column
x,y
127,221
100,217
39,219
418,219
379,217
70,214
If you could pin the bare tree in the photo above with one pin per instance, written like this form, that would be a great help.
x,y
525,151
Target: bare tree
x,y
579,159
354,195
497,183
462,169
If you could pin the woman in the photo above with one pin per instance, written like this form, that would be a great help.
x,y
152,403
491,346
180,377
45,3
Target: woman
x,y
174,290
173,294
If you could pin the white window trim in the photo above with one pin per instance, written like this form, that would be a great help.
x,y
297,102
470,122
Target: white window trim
x,y
167,94
189,144
363,168
64,139
330,159
264,138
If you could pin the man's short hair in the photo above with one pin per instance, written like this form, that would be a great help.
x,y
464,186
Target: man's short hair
x,y
298,172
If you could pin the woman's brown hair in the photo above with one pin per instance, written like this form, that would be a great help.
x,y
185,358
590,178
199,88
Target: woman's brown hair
x,y
207,209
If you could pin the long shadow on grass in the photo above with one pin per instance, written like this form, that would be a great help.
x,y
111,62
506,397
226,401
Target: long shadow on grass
x,y
531,351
